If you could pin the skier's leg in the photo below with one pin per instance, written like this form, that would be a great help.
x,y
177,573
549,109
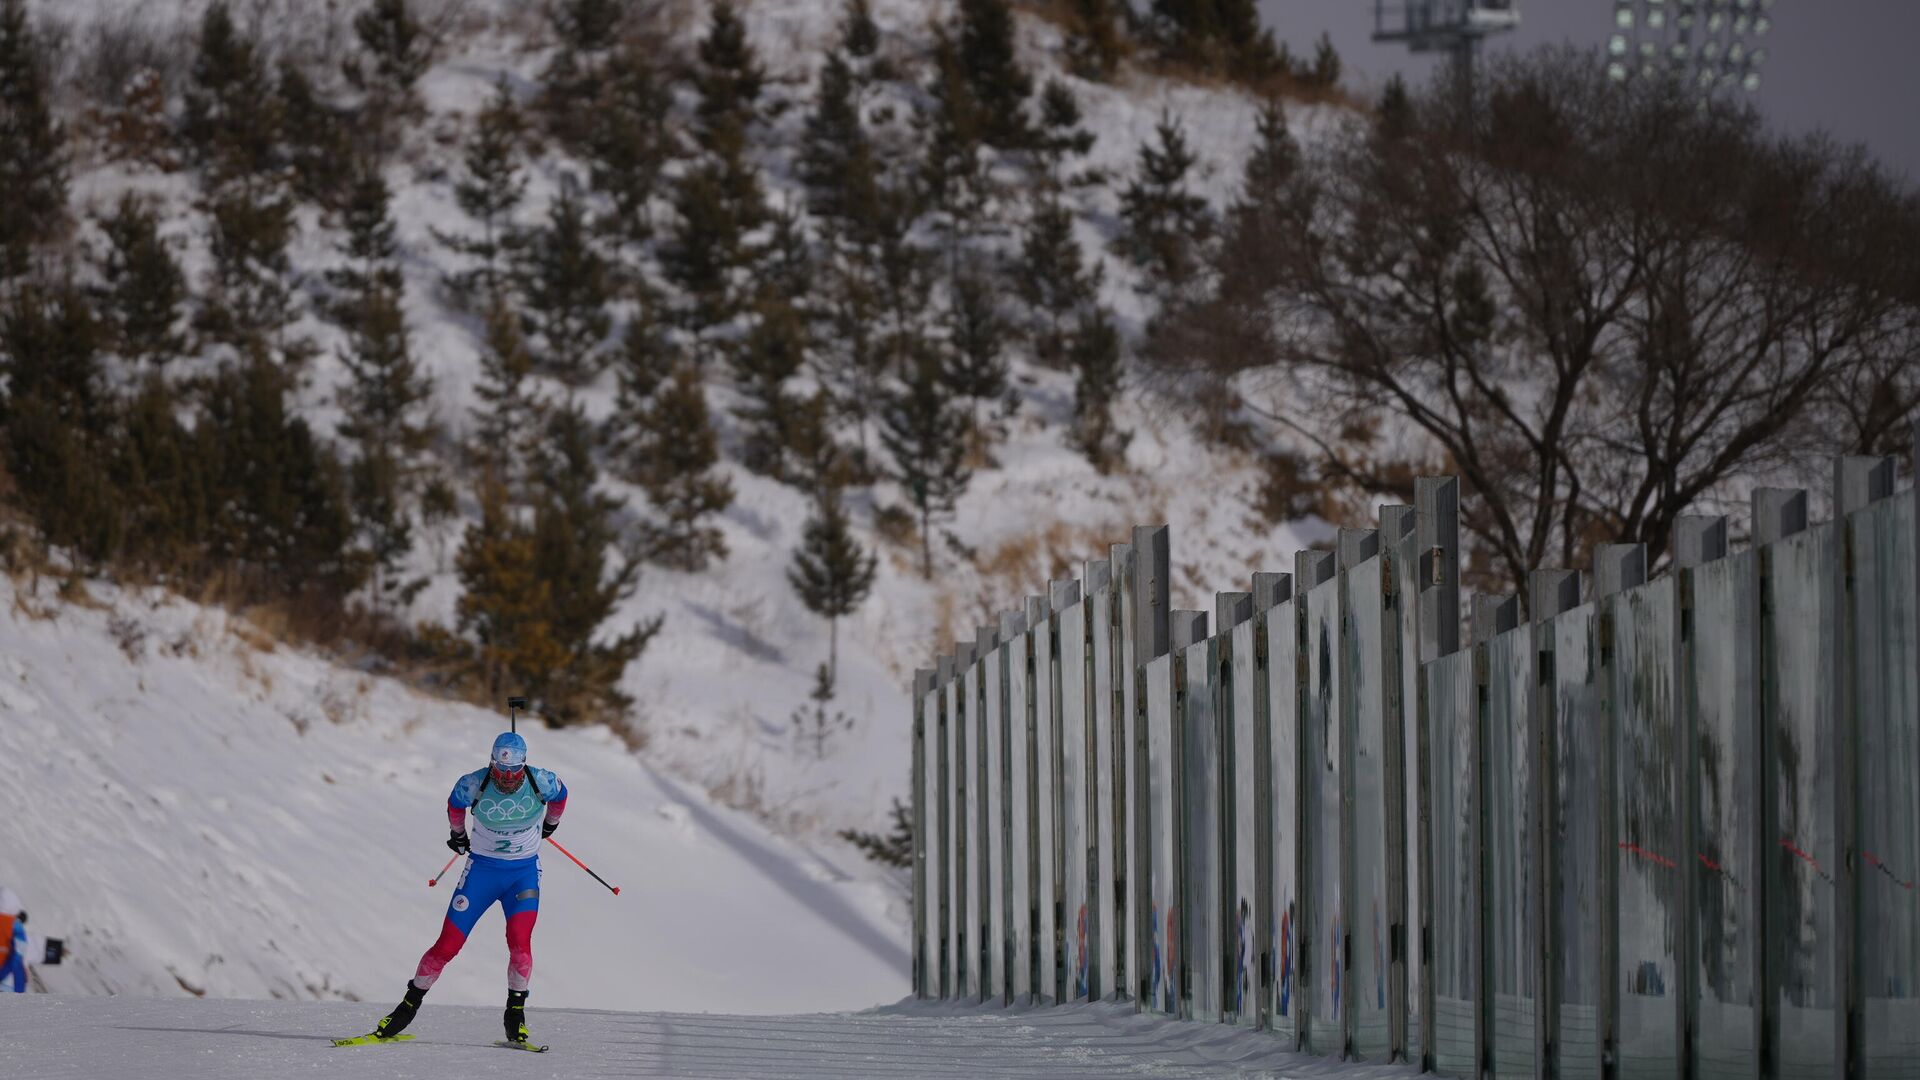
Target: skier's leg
x,y
521,905
479,887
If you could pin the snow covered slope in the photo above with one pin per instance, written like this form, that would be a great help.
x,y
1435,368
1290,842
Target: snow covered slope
x,y
193,814
717,689
244,1040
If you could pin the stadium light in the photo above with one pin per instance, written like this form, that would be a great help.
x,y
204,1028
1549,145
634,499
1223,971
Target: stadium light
x,y
1454,27
1711,44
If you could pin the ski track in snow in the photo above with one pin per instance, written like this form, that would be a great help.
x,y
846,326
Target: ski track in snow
x,y
111,1039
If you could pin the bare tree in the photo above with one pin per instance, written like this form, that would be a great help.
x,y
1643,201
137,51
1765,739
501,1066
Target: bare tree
x,y
1599,304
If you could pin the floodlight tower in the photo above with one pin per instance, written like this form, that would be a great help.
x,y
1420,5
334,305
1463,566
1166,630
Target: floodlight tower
x,y
1711,44
1454,27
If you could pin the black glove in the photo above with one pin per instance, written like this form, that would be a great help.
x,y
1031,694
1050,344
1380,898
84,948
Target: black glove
x,y
547,827
458,841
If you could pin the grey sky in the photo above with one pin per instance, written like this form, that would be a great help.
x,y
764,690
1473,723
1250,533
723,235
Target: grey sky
x,y
1842,65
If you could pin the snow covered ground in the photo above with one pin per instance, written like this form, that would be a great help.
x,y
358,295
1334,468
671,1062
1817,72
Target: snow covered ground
x,y
96,1039
196,815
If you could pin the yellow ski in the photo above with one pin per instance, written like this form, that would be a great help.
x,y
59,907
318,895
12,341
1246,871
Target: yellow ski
x,y
369,1040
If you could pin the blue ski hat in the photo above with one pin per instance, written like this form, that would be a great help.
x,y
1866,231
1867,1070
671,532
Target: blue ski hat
x,y
509,752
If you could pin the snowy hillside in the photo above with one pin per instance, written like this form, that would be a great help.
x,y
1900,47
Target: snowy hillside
x,y
204,812
716,690
193,814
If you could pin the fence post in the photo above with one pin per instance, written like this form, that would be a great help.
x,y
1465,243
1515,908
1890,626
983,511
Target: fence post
x,y
1436,571
1697,540
1777,514
1492,616
1118,642
1616,568
1043,759
922,841
1549,594
1311,570
1857,481
1152,611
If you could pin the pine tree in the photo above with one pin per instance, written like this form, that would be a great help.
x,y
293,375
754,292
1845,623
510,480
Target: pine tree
x,y
1060,136
852,357
160,481
646,359
33,161
819,462
395,51
387,389
369,247
504,602
719,200
717,204
975,364
232,116
993,73
1095,355
1053,279
836,158
1250,50
830,572
1223,36
1094,46
1393,117
142,288
507,410
952,179
629,143
770,354
490,189
1165,223
249,298
574,526
567,285
859,34
673,458
1325,70
318,139
575,82
729,79
926,438
1265,194
56,420
280,508
894,849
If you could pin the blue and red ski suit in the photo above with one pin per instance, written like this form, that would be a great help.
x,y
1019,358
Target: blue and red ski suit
x,y
503,867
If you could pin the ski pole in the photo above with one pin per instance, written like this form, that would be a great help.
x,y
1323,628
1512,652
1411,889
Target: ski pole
x,y
443,871
583,866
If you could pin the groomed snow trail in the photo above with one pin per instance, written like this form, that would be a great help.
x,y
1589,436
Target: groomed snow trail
x,y
114,1038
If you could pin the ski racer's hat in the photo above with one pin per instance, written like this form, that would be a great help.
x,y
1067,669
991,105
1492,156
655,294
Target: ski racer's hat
x,y
509,753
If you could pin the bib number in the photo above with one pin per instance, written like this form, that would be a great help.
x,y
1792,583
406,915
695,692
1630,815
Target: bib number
x,y
503,846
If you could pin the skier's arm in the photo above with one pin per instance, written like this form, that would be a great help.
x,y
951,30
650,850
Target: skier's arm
x,y
556,805
462,796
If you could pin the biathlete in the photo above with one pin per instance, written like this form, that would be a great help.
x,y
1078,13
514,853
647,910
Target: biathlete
x,y
514,806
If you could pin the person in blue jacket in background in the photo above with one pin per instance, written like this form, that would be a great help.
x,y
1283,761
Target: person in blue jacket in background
x,y
13,922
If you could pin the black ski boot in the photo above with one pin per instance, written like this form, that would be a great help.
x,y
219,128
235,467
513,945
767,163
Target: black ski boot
x,y
516,1017
396,1021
